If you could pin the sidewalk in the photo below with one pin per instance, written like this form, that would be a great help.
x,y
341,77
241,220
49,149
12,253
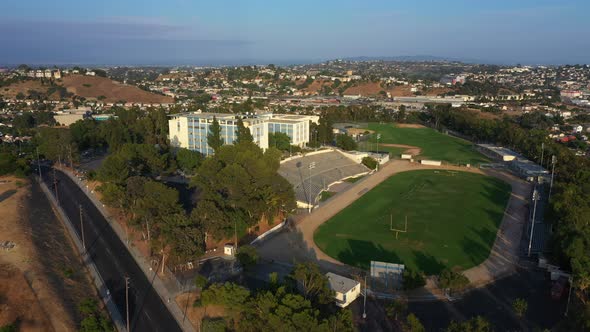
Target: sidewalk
x,y
166,289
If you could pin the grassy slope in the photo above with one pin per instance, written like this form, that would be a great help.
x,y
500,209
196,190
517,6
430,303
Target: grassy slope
x,y
453,218
434,145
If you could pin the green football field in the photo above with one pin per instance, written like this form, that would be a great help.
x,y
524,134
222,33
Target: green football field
x,y
434,145
452,218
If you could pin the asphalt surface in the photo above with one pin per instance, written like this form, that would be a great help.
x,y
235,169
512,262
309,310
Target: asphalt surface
x,y
147,311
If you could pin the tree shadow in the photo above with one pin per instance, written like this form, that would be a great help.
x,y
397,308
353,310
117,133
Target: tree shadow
x,y
427,263
7,194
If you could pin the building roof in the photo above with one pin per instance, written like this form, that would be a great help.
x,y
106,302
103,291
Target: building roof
x,y
339,283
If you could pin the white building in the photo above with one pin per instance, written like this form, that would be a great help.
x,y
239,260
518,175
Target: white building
x,y
295,126
190,130
345,290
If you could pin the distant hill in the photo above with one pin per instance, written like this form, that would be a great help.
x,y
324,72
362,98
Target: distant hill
x,y
95,87
409,58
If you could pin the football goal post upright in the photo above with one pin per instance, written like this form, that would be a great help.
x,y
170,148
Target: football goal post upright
x,y
397,231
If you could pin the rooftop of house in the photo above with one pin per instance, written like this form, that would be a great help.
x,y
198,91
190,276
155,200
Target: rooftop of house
x,y
339,283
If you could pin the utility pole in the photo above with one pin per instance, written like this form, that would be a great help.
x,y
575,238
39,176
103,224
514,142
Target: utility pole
x,y
39,165
535,199
127,301
569,295
236,234
82,230
55,187
553,162
365,300
542,153
311,166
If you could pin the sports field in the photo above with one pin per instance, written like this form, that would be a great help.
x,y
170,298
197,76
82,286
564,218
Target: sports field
x,y
434,145
452,218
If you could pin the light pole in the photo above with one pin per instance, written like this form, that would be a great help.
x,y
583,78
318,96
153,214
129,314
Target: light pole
x,y
311,166
553,162
378,137
535,199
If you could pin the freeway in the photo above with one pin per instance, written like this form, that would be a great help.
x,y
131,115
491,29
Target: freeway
x,y
147,311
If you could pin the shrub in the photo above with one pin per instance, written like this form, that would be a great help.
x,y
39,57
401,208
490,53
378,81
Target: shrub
x,y
371,163
452,280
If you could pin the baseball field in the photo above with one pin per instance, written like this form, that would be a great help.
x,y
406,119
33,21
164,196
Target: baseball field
x,y
433,144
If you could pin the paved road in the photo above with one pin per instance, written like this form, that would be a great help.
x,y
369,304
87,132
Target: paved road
x,y
147,310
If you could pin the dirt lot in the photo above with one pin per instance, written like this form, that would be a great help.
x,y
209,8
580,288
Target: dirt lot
x,y
93,87
41,279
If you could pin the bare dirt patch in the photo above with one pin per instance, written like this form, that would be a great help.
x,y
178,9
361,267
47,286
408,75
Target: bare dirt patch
x,y
409,125
94,87
42,280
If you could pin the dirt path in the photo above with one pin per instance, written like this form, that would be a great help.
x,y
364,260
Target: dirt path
x,y
503,254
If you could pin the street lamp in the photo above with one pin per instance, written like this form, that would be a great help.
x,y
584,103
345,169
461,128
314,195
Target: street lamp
x,y
535,199
310,167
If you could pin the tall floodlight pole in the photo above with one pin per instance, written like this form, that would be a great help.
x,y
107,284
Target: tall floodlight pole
x,y
553,162
378,137
535,199
311,166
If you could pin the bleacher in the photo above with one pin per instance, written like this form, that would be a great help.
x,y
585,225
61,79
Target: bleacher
x,y
330,167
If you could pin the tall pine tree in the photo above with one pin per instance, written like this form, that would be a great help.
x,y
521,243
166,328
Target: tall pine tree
x,y
214,138
243,134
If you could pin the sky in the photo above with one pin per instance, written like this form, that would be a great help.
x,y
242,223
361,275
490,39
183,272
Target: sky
x,y
195,32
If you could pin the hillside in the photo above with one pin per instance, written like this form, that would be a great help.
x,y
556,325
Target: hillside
x,y
94,87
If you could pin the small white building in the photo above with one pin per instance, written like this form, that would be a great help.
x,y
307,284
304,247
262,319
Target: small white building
x,y
345,290
229,250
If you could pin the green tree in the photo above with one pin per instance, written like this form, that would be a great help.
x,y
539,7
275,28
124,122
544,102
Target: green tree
x,y
452,280
243,135
520,307
477,324
93,320
413,324
280,141
248,256
312,282
371,163
188,161
214,137
213,325
413,279
345,142
396,309
201,281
